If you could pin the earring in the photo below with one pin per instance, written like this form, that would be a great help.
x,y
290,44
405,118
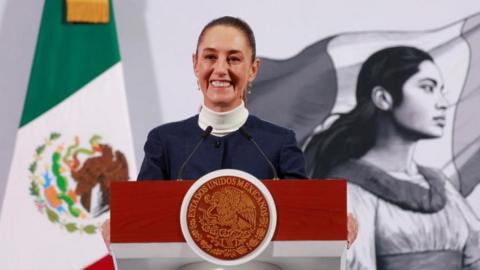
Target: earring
x,y
198,85
249,87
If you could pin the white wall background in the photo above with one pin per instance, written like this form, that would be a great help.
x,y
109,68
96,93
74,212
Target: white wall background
x,y
157,39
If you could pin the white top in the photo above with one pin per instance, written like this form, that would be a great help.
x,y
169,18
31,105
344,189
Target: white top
x,y
223,123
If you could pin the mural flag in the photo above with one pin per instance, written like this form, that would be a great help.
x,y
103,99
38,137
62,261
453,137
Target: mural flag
x,y
309,88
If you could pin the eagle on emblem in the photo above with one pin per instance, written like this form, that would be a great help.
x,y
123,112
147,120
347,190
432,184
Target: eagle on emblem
x,y
231,207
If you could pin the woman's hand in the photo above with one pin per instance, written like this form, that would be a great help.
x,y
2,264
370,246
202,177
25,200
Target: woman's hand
x,y
106,233
352,229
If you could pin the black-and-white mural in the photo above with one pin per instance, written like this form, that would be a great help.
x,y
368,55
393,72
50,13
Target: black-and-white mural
x,y
395,114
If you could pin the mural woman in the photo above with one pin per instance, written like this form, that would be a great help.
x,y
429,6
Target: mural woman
x,y
410,216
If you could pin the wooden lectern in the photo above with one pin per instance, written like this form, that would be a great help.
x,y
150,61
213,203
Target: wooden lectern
x,y
311,229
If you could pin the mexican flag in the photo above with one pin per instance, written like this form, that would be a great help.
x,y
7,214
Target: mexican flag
x,y
74,139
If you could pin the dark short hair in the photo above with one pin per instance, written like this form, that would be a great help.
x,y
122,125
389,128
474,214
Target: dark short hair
x,y
236,23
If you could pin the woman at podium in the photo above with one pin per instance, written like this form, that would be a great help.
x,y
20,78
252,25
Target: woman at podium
x,y
223,134
410,216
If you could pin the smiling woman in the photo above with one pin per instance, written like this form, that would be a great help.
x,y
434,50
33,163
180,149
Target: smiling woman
x,y
225,65
221,135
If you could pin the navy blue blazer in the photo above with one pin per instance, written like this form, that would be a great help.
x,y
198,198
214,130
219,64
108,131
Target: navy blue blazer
x,y
168,146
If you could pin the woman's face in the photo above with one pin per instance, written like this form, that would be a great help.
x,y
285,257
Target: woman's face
x,y
223,66
422,110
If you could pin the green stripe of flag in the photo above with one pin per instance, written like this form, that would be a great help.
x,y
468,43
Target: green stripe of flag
x,y
67,57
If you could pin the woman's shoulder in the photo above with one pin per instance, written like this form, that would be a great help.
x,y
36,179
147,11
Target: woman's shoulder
x,y
177,127
404,194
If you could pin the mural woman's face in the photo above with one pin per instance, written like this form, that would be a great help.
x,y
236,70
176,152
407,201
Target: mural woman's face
x,y
422,110
223,66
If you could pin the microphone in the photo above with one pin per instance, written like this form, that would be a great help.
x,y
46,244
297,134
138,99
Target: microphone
x,y
204,135
249,137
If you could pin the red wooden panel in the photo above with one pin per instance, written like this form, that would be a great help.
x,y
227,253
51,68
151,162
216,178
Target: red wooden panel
x,y
309,209
149,211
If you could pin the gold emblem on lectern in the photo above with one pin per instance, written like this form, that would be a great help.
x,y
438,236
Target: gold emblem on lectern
x,y
228,217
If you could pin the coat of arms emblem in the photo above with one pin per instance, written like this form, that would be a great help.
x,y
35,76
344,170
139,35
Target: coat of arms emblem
x,y
228,217
70,180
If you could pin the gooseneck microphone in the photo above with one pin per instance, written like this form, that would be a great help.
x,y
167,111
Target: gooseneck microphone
x,y
204,135
249,137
